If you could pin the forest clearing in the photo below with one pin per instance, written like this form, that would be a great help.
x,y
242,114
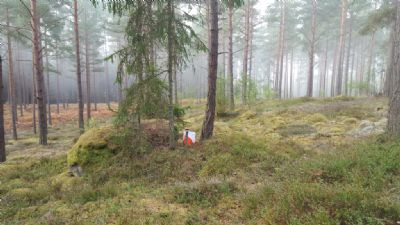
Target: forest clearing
x,y
303,161
167,112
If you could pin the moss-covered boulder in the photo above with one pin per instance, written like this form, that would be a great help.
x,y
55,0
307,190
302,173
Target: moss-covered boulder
x,y
90,145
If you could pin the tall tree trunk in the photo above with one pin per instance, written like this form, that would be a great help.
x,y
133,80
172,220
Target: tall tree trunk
x,y
94,95
282,50
171,62
291,73
341,48
279,61
78,67
334,69
208,123
38,61
20,86
230,57
394,98
251,30
286,84
58,84
279,52
48,84
2,140
107,74
370,79
346,75
310,81
246,54
87,64
11,81
324,72
33,92
350,88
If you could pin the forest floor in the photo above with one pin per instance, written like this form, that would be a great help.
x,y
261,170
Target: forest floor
x,y
300,161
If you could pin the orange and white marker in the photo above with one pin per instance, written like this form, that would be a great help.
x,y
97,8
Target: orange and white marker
x,y
189,137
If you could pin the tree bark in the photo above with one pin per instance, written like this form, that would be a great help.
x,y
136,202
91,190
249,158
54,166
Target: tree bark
x,y
310,81
48,84
2,140
208,123
370,63
334,69
58,85
33,92
11,81
38,61
230,57
107,74
78,67
291,74
171,62
279,63
339,77
394,98
246,53
346,75
286,84
87,64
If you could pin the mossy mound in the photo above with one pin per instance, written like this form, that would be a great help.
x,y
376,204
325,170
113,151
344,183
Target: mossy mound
x,y
90,144
65,182
316,118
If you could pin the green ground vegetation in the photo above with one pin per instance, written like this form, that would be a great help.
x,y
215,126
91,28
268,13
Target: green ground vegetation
x,y
276,162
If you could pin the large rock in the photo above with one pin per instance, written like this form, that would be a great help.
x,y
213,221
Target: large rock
x,y
89,145
367,128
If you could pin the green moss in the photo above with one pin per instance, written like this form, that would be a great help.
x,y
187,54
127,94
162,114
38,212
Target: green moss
x,y
350,121
316,118
90,144
296,129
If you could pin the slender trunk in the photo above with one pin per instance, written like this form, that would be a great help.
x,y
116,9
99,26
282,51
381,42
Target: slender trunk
x,y
20,86
230,57
208,123
38,61
48,84
350,88
94,95
246,54
107,75
251,30
282,49
2,140
286,77
175,80
58,85
346,75
11,81
310,81
370,78
278,54
171,61
33,92
291,74
334,67
362,71
394,98
87,63
78,67
341,48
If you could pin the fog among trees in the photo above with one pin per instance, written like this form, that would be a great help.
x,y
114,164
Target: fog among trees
x,y
142,72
